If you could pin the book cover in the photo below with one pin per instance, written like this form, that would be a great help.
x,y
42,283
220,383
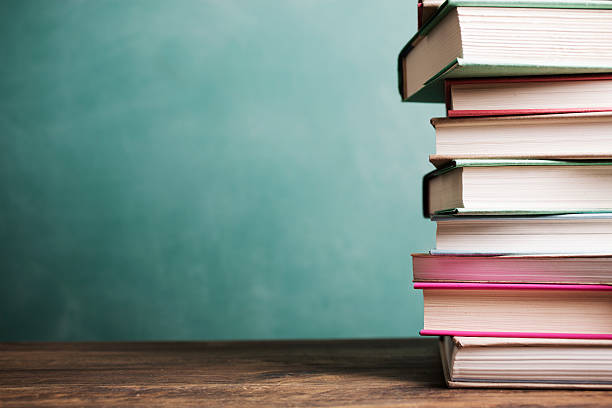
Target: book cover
x,y
455,113
426,11
433,89
513,286
449,345
594,269
443,161
420,13
458,163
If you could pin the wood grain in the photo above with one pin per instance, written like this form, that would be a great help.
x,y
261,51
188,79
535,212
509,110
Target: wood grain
x,y
340,373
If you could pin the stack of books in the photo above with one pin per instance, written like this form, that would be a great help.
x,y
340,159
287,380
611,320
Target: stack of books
x,y
519,286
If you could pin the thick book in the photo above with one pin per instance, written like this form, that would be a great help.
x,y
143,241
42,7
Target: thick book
x,y
427,9
529,186
501,362
571,136
508,39
528,95
561,269
516,234
516,310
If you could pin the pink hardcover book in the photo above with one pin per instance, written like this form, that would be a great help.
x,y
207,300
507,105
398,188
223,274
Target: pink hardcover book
x,y
517,310
559,269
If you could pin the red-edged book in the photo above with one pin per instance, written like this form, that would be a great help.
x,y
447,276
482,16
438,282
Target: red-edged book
x,y
528,95
575,269
517,310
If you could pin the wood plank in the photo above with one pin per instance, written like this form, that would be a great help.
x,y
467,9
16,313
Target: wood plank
x,y
348,373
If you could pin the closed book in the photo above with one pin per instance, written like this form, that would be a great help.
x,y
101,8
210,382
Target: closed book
x,y
572,136
528,95
520,234
427,9
517,310
545,268
502,362
508,39
524,186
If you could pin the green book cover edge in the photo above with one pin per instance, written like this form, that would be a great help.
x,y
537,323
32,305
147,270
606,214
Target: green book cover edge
x,y
458,163
532,212
433,89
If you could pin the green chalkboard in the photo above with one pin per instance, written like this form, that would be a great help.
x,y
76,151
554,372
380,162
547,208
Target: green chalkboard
x,y
208,170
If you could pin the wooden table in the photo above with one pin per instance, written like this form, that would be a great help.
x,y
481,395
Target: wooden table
x,y
346,373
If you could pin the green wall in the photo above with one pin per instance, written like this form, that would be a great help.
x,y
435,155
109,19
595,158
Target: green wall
x,y
208,170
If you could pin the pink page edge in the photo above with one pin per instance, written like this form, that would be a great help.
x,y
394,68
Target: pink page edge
x,y
509,286
516,334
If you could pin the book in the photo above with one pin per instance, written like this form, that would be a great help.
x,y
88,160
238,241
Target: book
x,y
530,186
570,136
528,95
506,235
462,40
426,10
494,362
561,269
516,310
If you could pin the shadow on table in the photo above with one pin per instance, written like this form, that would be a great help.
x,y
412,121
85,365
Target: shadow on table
x,y
410,361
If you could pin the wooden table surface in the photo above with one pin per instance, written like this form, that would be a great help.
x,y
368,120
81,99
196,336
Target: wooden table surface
x,y
343,373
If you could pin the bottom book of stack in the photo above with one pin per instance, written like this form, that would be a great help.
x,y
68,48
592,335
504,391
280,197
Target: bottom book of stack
x,y
526,362
519,321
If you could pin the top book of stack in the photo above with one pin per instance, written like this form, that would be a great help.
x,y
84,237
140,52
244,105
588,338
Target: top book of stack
x,y
494,38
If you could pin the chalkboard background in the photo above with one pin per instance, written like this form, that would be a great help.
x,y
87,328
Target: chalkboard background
x,y
208,170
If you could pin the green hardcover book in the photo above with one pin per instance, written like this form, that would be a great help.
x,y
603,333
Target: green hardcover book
x,y
485,38
431,7
518,187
